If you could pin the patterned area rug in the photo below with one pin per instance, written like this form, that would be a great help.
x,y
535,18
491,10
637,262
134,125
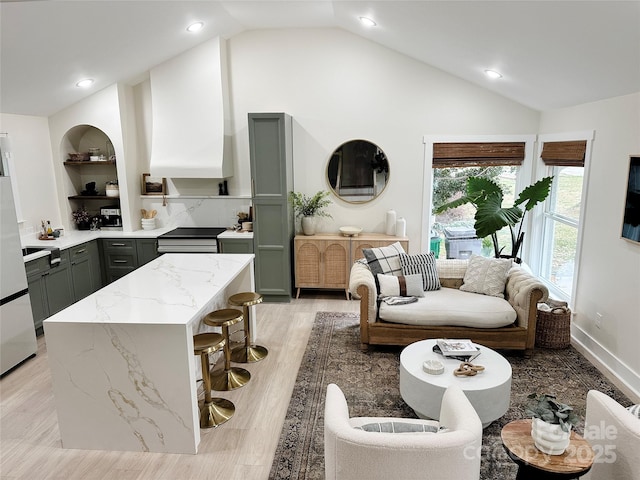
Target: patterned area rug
x,y
370,383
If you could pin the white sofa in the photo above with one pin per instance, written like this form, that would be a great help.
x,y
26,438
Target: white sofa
x,y
614,434
355,454
508,323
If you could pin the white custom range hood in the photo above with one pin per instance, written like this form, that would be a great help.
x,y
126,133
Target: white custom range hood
x,y
190,115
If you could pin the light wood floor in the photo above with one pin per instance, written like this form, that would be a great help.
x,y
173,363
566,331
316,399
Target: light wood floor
x,y
243,448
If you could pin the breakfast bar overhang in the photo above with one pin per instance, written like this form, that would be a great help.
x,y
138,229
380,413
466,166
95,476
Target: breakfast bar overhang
x,y
122,362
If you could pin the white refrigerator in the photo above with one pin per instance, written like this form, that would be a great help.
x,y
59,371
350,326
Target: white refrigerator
x,y
17,332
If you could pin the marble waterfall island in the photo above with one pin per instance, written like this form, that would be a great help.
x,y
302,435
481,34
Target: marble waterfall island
x,y
122,362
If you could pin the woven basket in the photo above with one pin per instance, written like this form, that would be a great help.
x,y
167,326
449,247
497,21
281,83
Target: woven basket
x,y
553,328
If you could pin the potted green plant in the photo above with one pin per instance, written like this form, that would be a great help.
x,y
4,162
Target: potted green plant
x,y
487,196
310,207
551,424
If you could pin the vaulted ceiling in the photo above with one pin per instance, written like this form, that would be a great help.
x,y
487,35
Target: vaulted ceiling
x,y
551,54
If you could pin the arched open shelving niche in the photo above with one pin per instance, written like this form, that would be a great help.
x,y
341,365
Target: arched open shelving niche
x,y
80,174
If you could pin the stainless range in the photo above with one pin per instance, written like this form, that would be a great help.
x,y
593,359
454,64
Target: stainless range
x,y
190,240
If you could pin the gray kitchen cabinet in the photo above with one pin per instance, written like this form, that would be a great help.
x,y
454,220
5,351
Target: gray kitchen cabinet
x,y
123,255
50,287
147,250
37,294
271,160
235,245
119,257
85,269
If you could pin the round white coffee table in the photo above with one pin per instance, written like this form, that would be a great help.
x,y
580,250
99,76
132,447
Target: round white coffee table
x,y
488,391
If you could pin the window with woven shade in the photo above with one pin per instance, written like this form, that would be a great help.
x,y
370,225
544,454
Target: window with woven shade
x,y
558,236
453,163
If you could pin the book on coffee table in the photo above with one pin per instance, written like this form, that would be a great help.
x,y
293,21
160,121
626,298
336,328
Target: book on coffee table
x,y
458,348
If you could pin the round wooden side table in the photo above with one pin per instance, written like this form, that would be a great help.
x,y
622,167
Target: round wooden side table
x,y
534,464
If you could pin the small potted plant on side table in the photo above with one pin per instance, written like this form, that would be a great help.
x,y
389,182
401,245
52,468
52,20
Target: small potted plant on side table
x,y
551,424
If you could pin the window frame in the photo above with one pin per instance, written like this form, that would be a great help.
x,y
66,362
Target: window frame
x,y
539,240
522,180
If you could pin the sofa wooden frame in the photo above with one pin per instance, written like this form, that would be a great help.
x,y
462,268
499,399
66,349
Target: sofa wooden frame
x,y
523,296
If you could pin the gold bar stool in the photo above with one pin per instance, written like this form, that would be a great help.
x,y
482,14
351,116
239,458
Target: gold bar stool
x,y
231,377
249,352
214,411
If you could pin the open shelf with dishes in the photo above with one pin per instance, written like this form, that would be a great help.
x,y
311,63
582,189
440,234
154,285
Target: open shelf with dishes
x,y
91,176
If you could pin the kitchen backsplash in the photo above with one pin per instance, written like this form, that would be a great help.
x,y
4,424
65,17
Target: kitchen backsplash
x,y
197,212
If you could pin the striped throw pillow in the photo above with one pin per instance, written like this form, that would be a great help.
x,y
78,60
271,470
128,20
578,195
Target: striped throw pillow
x,y
400,427
424,264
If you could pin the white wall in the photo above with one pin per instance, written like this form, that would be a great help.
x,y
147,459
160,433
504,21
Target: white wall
x,y
338,86
609,276
31,152
109,111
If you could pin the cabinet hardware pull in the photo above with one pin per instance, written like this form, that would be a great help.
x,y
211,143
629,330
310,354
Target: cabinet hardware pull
x,y
119,261
117,244
81,251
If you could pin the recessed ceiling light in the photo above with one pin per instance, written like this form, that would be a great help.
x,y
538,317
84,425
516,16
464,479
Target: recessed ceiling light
x,y
87,82
194,27
492,74
367,22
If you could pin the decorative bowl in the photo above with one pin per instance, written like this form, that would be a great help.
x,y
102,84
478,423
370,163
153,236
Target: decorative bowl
x,y
350,231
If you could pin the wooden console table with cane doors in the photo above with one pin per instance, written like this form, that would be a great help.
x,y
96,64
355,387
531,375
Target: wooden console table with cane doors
x,y
324,260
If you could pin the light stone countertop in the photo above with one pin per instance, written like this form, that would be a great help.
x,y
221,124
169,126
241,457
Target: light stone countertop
x,y
172,289
77,237
230,234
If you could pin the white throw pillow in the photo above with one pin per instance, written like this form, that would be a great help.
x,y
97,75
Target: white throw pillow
x,y
487,276
400,285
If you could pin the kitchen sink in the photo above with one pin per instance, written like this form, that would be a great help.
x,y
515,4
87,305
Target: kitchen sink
x,y
29,250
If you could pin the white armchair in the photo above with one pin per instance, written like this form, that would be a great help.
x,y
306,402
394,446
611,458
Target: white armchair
x,y
614,434
351,453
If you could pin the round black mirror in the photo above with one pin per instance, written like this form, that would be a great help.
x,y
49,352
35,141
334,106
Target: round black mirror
x,y
358,171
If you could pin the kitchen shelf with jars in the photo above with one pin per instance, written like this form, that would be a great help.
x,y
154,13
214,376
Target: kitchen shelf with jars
x,y
91,176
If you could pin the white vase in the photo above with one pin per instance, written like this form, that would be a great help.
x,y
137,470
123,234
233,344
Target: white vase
x,y
549,438
390,223
401,227
308,225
